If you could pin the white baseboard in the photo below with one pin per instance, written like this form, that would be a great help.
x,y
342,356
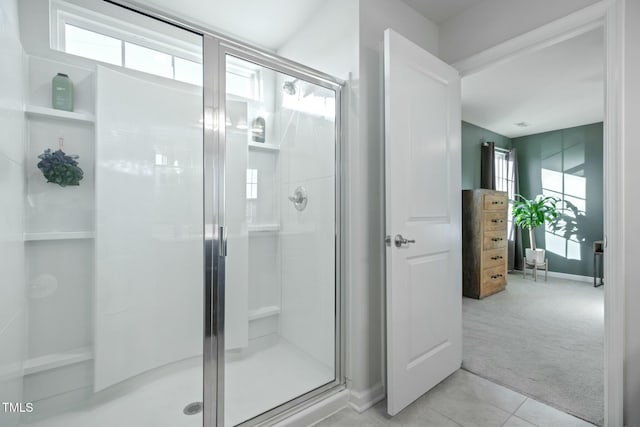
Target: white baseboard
x,y
577,278
566,276
317,412
365,399
358,400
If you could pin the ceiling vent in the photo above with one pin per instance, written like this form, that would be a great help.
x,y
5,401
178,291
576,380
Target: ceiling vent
x,y
522,124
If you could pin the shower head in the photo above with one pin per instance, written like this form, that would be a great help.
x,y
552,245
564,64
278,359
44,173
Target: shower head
x,y
289,87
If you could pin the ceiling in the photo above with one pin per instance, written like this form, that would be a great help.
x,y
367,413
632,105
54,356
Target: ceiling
x,y
553,88
556,87
438,11
268,24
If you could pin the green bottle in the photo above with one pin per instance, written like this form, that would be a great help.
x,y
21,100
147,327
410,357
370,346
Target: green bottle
x,y
62,92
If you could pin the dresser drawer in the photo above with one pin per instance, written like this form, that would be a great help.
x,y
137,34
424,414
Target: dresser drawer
x,y
494,258
495,202
497,275
494,221
493,280
494,239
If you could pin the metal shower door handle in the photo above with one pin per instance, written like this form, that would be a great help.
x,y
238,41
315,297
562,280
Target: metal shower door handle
x,y
399,240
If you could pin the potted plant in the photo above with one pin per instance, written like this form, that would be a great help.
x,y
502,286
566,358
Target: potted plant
x,y
60,168
530,214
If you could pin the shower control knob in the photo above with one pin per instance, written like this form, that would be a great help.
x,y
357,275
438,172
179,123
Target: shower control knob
x,y
299,198
399,240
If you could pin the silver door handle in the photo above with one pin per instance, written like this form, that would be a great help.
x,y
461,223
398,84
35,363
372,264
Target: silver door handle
x,y
399,240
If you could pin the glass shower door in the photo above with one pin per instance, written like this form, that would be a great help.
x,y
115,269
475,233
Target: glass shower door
x,y
281,335
111,242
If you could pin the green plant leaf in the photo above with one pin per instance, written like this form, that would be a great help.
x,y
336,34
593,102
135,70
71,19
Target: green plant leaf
x,y
532,213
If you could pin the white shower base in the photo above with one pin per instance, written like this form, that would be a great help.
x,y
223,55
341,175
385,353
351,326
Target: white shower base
x,y
268,374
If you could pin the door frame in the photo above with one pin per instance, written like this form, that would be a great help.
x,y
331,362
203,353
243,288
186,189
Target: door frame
x,y
215,49
608,15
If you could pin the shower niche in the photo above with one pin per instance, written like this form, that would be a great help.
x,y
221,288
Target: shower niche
x,y
59,243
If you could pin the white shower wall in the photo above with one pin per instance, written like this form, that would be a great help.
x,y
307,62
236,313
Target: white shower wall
x,y
148,245
291,282
261,215
307,238
12,301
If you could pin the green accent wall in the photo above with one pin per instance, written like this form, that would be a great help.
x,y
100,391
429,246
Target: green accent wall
x,y
472,138
569,161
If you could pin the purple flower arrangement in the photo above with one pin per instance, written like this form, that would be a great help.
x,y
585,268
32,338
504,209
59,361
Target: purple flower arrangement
x,y
60,168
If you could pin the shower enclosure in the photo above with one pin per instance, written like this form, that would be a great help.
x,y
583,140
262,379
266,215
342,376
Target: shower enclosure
x,y
275,243
192,277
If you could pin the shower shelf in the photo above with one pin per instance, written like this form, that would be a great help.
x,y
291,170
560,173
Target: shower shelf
x,y
263,228
59,235
56,360
37,111
261,313
263,146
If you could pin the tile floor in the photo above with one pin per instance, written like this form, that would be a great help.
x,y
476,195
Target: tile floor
x,y
466,400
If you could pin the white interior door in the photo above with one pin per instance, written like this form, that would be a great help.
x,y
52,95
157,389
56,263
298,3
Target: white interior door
x,y
423,198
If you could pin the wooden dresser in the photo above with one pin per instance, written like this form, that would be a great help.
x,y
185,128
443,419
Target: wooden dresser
x,y
484,242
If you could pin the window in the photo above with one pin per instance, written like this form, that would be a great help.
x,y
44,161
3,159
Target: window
x,y
161,159
503,172
504,181
252,184
148,60
321,104
240,85
187,71
243,79
89,44
85,33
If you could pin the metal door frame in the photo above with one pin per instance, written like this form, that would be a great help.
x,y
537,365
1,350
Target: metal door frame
x,y
216,47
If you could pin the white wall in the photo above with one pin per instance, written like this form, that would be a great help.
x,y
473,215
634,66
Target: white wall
x,y
12,301
492,22
631,208
328,41
345,39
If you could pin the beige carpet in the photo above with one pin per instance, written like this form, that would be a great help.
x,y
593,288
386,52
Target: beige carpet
x,y
542,339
